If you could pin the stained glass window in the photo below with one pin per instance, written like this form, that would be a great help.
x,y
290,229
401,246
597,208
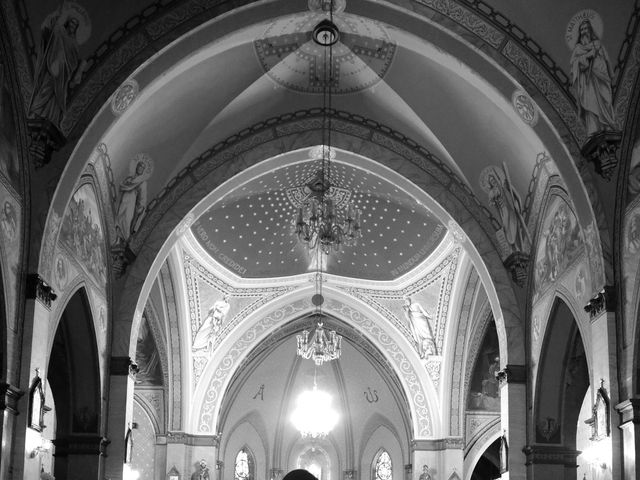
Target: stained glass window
x,y
383,467
243,466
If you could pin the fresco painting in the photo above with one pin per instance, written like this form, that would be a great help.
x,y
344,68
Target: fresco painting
x,y
10,219
9,159
147,357
484,389
559,244
81,233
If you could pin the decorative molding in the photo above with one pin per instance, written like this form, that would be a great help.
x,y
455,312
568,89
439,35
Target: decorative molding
x,y
189,439
447,443
512,374
603,301
629,411
548,455
38,289
517,263
81,445
601,149
9,396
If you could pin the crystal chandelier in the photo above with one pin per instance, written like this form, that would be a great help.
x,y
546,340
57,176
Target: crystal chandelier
x,y
320,222
318,345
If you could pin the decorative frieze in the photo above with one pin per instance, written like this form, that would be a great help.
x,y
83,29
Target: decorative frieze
x,y
550,455
447,443
81,445
183,438
40,290
603,301
601,149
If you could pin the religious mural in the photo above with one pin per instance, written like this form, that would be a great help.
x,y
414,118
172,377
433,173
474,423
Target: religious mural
x,y
132,197
9,160
590,72
81,233
421,325
559,243
506,202
10,219
484,389
59,66
147,357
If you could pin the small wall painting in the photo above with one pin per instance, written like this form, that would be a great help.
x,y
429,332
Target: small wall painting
x,y
559,243
147,357
484,388
82,234
9,159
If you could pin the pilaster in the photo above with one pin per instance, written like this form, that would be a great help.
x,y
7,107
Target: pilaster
x,y
513,401
629,411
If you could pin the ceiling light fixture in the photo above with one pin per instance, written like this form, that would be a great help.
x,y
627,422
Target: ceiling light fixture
x,y
320,222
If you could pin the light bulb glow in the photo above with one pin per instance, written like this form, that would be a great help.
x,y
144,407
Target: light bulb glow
x,y
314,417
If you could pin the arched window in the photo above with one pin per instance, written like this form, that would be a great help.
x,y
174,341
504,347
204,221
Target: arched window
x,y
383,470
244,465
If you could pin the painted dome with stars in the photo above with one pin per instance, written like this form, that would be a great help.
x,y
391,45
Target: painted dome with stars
x,y
251,232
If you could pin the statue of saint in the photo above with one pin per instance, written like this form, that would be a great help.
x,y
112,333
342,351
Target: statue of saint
x,y
59,66
591,76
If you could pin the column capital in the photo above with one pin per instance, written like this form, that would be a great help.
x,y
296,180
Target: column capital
x,y
629,410
603,301
9,396
38,289
122,366
512,374
550,455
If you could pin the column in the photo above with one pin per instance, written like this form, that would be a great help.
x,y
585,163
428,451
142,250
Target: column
x,y
121,381
629,411
604,361
444,456
9,396
34,355
513,410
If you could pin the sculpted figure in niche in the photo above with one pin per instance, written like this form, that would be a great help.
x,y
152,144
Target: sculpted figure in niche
x,y
591,74
425,475
133,197
203,471
59,66
210,327
503,197
420,326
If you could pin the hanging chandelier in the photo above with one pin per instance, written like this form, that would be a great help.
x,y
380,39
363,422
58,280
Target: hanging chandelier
x,y
320,222
319,346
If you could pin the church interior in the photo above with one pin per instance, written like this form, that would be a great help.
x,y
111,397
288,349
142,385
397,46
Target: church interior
x,y
369,239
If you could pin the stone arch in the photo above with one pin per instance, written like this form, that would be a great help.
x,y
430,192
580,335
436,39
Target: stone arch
x,y
490,434
566,379
358,324
428,174
74,377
